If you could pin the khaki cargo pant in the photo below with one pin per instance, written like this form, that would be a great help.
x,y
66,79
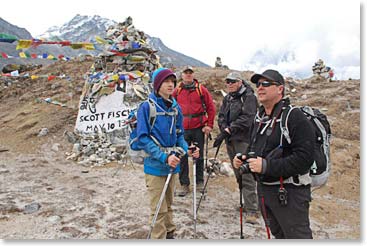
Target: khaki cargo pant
x,y
164,222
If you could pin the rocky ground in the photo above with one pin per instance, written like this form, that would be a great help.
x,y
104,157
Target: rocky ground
x,y
45,196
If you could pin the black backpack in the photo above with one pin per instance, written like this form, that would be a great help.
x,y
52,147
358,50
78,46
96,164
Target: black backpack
x,y
320,169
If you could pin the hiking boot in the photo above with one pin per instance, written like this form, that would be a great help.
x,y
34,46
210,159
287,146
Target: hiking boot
x,y
170,235
251,218
183,190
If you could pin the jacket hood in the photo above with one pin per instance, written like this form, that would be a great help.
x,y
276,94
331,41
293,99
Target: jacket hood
x,y
239,92
160,100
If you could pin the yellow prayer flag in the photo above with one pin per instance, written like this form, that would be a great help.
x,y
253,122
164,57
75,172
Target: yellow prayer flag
x,y
76,46
101,40
22,55
115,77
50,57
23,44
34,77
138,73
88,46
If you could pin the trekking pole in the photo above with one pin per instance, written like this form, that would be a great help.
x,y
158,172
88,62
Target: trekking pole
x,y
262,206
194,196
211,169
208,137
178,154
160,202
194,192
241,206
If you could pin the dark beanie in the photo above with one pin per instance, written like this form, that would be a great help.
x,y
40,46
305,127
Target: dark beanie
x,y
159,76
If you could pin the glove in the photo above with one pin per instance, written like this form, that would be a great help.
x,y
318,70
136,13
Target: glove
x,y
219,139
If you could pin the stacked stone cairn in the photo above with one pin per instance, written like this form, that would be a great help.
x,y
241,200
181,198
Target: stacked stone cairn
x,y
126,64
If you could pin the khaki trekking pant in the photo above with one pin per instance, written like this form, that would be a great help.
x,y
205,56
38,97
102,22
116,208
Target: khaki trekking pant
x,y
164,222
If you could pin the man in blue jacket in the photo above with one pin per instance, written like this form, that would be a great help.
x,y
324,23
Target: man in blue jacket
x,y
159,140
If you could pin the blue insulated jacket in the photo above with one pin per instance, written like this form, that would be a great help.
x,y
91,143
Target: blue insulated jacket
x,y
166,130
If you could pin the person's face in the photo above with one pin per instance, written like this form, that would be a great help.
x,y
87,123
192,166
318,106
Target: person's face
x,y
268,91
167,87
187,76
233,85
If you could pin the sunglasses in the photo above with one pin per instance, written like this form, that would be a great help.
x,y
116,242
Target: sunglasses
x,y
231,81
266,84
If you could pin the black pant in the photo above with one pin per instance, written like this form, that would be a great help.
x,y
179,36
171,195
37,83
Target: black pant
x,y
193,135
290,221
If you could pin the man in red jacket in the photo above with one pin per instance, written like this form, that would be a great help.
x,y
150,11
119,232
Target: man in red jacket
x,y
199,112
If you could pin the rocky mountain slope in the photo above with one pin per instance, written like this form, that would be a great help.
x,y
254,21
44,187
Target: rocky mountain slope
x,y
44,196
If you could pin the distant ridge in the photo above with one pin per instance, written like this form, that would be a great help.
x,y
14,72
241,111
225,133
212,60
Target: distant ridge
x,y
82,29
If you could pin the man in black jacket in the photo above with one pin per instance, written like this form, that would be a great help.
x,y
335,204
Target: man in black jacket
x,y
282,169
235,118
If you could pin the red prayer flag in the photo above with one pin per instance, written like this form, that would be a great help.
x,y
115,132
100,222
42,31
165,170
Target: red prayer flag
x,y
51,77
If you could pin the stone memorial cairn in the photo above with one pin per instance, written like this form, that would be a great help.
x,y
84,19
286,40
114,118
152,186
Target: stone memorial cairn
x,y
126,65
320,70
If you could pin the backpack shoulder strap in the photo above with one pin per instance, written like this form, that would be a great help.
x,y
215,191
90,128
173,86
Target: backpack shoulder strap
x,y
198,88
179,89
152,112
284,125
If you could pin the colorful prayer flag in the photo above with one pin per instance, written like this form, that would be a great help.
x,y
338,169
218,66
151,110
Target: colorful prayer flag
x,y
23,44
7,38
4,55
51,77
22,55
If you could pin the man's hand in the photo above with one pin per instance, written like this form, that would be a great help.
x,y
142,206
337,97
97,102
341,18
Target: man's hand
x,y
206,130
219,139
173,160
255,164
195,153
237,162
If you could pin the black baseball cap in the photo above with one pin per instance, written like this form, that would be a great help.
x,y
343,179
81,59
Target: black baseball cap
x,y
269,74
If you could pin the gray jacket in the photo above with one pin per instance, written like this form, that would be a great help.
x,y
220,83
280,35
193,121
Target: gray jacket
x,y
237,112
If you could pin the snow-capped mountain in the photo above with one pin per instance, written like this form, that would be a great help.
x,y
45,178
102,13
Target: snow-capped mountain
x,y
80,28
85,28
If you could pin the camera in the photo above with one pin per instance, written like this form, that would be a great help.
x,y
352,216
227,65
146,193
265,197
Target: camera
x,y
245,168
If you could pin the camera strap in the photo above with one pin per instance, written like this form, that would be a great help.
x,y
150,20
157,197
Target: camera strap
x,y
281,182
269,125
